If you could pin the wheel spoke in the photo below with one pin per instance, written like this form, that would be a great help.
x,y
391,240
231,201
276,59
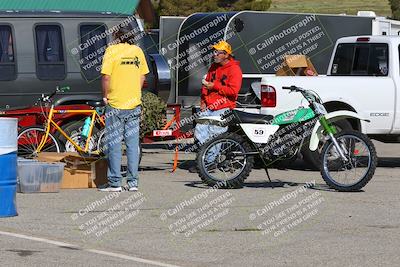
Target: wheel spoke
x,y
347,175
237,161
228,167
30,138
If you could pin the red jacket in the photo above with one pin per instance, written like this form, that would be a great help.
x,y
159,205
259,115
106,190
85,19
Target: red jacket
x,y
227,81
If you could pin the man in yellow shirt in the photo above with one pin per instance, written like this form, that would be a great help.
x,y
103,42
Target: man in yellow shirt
x,y
123,73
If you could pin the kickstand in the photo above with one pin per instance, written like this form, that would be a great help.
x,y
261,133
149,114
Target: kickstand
x,y
269,178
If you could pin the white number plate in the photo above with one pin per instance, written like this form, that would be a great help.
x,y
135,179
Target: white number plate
x,y
258,132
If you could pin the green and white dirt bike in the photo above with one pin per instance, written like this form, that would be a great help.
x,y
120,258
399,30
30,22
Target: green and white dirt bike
x,y
348,158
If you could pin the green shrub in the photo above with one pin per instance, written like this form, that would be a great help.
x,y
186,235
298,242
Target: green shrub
x,y
153,113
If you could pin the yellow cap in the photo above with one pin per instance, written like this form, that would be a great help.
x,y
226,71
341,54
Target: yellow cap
x,y
223,46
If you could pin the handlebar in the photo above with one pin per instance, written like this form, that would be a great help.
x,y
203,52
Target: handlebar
x,y
63,89
309,95
58,90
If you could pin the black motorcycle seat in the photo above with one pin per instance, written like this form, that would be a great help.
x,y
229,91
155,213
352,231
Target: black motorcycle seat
x,y
245,117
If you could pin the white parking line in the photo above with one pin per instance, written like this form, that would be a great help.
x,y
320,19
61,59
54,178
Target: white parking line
x,y
96,251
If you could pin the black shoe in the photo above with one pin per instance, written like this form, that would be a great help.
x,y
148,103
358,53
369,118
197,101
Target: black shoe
x,y
193,169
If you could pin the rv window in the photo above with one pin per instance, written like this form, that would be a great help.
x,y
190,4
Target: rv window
x,y
93,45
6,45
361,60
50,53
7,61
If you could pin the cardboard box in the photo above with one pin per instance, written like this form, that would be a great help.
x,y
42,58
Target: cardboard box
x,y
297,65
75,179
98,173
54,156
296,61
79,172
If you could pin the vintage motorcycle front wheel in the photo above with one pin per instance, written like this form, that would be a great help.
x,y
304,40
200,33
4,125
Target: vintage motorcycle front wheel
x,y
223,162
359,167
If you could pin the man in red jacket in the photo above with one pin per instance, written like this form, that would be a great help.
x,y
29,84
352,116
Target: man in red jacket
x,y
223,82
219,91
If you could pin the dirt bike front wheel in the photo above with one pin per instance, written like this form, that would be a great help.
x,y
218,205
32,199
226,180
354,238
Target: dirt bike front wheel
x,y
358,166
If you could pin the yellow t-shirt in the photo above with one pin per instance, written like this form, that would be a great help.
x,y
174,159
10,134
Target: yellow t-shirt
x,y
125,64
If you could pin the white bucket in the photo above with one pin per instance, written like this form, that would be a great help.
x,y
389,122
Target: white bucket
x,y
8,135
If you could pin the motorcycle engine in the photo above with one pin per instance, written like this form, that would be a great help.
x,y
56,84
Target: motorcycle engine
x,y
286,142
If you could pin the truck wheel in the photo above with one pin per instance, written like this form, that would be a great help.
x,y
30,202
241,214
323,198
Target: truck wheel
x,y
313,158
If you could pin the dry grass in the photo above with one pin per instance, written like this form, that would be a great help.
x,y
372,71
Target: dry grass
x,y
349,7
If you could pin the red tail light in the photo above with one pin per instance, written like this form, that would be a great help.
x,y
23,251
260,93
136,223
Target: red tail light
x,y
145,84
363,39
268,96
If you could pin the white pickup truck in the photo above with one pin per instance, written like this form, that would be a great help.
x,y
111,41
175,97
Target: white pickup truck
x,y
363,77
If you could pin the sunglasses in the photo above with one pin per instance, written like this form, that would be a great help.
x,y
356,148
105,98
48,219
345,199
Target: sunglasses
x,y
218,52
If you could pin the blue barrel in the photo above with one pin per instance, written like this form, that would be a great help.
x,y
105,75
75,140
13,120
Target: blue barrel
x,y
8,166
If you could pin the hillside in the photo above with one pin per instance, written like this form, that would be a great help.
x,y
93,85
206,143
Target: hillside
x,y
350,7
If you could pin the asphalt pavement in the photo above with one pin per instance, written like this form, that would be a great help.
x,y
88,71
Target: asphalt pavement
x,y
174,220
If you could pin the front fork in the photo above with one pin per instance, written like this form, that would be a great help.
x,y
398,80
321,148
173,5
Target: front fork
x,y
46,135
331,131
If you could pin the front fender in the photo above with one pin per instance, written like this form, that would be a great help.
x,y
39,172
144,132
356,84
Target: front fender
x,y
316,133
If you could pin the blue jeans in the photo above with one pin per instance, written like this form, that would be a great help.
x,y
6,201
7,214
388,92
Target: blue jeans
x,y
122,124
204,132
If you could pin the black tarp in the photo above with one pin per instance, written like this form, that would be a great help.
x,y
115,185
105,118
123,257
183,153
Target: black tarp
x,y
259,41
